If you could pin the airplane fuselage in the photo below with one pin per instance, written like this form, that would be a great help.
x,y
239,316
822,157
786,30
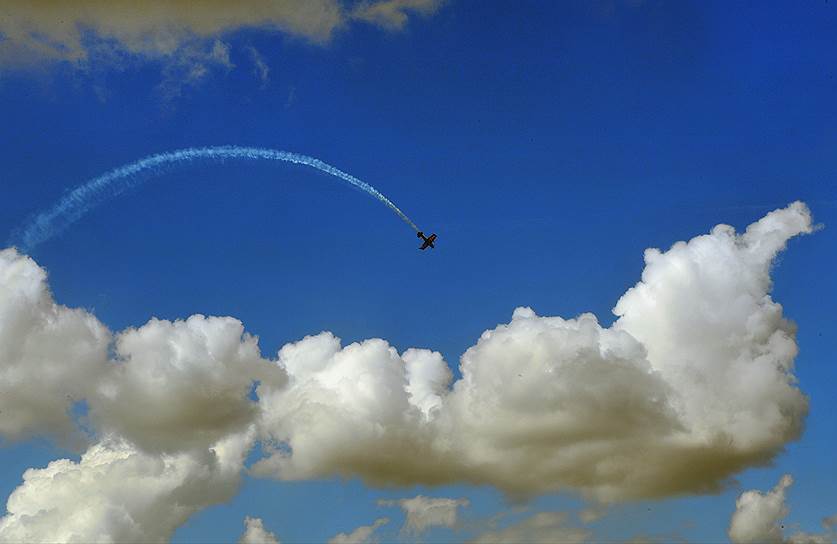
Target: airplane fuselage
x,y
428,240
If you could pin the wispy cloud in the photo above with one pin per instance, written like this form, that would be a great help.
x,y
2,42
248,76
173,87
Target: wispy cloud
x,y
192,66
426,512
392,14
541,528
260,68
364,534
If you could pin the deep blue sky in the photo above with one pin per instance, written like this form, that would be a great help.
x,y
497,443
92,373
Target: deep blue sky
x,y
547,143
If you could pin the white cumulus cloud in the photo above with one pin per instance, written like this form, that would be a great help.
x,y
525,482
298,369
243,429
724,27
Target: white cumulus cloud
x,y
758,519
347,411
117,493
191,378
255,533
49,354
691,384
757,515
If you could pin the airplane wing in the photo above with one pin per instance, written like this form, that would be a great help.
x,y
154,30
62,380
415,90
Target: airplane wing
x,y
428,241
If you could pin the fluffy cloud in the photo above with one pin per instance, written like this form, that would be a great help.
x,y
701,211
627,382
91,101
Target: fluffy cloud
x,y
428,378
166,378
49,354
44,30
255,533
542,528
690,385
171,410
361,535
713,333
191,378
757,515
757,519
117,493
425,512
347,410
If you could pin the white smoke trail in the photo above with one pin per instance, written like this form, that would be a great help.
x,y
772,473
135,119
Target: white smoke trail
x,y
82,199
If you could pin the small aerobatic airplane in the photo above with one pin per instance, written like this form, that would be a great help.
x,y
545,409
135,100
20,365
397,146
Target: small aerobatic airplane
x,y
428,240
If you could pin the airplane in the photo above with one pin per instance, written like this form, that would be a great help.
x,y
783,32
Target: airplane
x,y
428,240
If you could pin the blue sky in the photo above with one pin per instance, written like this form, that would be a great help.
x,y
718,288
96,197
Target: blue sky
x,y
548,145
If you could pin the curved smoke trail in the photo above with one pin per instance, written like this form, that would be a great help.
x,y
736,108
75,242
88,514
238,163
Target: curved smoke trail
x,y
82,199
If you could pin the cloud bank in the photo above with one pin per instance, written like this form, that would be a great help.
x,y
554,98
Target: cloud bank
x,y
691,384
83,31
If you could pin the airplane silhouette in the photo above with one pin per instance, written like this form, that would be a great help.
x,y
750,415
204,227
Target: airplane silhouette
x,y
428,240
